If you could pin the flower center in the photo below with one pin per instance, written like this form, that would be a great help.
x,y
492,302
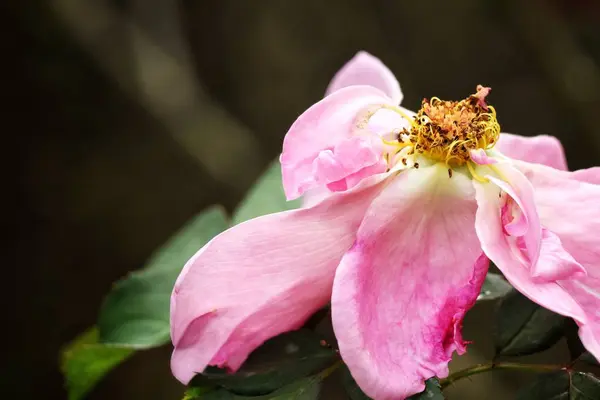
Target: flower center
x,y
448,130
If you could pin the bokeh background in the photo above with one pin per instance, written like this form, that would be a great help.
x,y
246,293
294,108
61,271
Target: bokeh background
x,y
126,117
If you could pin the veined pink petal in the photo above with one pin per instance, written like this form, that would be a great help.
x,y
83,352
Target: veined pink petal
x,y
540,149
554,262
380,123
388,123
590,335
259,279
568,204
586,292
479,156
521,204
570,208
314,196
349,162
497,246
365,69
327,124
589,175
401,292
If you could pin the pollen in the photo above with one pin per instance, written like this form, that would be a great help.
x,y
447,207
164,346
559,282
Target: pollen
x,y
448,130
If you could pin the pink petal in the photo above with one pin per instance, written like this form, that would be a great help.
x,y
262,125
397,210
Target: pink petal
x,y
364,69
314,196
526,223
327,168
570,208
359,150
568,204
380,123
541,149
349,162
356,177
480,157
590,337
388,123
590,175
499,249
586,292
482,93
327,124
401,292
259,279
554,262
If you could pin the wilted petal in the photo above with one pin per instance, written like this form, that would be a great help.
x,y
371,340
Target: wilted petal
x,y
518,213
554,262
388,123
480,156
540,149
569,207
589,175
568,204
590,337
500,249
261,278
319,193
349,162
401,292
327,124
313,196
586,292
365,69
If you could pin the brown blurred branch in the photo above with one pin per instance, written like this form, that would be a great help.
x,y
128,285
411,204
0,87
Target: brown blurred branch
x,y
162,81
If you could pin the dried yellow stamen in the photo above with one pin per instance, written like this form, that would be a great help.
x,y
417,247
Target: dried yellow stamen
x,y
474,174
448,130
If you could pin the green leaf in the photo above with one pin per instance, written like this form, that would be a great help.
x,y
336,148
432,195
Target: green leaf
x,y
589,359
433,390
563,385
136,312
584,386
353,391
525,328
85,361
196,393
576,348
265,197
303,389
494,287
279,362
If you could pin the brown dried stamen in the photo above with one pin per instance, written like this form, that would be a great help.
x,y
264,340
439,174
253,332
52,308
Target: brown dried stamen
x,y
448,130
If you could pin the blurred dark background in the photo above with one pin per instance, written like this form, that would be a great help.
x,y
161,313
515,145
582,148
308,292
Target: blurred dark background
x,y
126,117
